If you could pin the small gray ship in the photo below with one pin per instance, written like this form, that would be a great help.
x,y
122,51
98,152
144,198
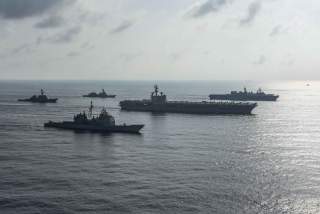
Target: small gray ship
x,y
158,103
101,94
245,96
42,98
103,123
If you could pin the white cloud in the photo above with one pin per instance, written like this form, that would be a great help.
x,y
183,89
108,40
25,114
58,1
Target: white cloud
x,y
148,39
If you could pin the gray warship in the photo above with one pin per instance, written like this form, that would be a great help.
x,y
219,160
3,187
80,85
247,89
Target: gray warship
x,y
245,96
158,103
42,98
104,123
101,94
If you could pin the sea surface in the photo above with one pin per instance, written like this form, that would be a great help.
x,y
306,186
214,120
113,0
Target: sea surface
x,y
268,162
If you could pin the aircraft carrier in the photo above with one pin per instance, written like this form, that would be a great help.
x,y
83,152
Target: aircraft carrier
x,y
158,103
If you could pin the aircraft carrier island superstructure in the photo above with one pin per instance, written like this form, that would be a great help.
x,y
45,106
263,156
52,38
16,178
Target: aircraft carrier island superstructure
x,y
158,103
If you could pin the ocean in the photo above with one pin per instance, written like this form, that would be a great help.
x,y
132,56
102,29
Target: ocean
x,y
268,162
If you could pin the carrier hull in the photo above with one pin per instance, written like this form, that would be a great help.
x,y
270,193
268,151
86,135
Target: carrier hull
x,y
253,97
188,107
69,125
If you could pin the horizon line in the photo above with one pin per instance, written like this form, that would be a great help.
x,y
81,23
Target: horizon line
x,y
174,80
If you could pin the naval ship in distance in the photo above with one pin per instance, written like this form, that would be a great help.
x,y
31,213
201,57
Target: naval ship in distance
x,y
42,98
158,103
245,96
101,94
104,123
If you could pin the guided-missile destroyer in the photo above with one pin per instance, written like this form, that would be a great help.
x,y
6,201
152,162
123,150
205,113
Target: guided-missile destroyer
x,y
158,103
42,98
101,94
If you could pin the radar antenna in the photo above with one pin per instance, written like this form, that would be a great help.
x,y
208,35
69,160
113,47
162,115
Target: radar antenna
x,y
156,89
245,90
90,109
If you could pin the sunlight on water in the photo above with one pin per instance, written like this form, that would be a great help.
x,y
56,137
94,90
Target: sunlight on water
x,y
264,163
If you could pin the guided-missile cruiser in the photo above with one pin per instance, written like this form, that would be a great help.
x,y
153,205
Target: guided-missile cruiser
x,y
104,123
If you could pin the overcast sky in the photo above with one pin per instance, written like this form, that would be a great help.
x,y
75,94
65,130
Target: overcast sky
x,y
160,39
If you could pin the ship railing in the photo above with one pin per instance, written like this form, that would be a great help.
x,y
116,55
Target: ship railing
x,y
134,100
211,102
202,102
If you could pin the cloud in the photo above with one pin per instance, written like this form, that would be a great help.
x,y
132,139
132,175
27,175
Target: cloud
x,y
93,18
203,8
50,22
122,27
63,37
261,60
18,9
67,36
288,60
73,54
87,45
175,56
253,10
21,49
128,57
275,31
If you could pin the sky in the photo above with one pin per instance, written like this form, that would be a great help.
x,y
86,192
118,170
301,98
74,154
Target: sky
x,y
160,39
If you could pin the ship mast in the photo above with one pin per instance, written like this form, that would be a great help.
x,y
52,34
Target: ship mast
x,y
90,109
156,89
245,90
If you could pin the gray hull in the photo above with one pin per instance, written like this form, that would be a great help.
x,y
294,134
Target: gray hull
x,y
244,97
100,96
189,107
39,100
92,128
